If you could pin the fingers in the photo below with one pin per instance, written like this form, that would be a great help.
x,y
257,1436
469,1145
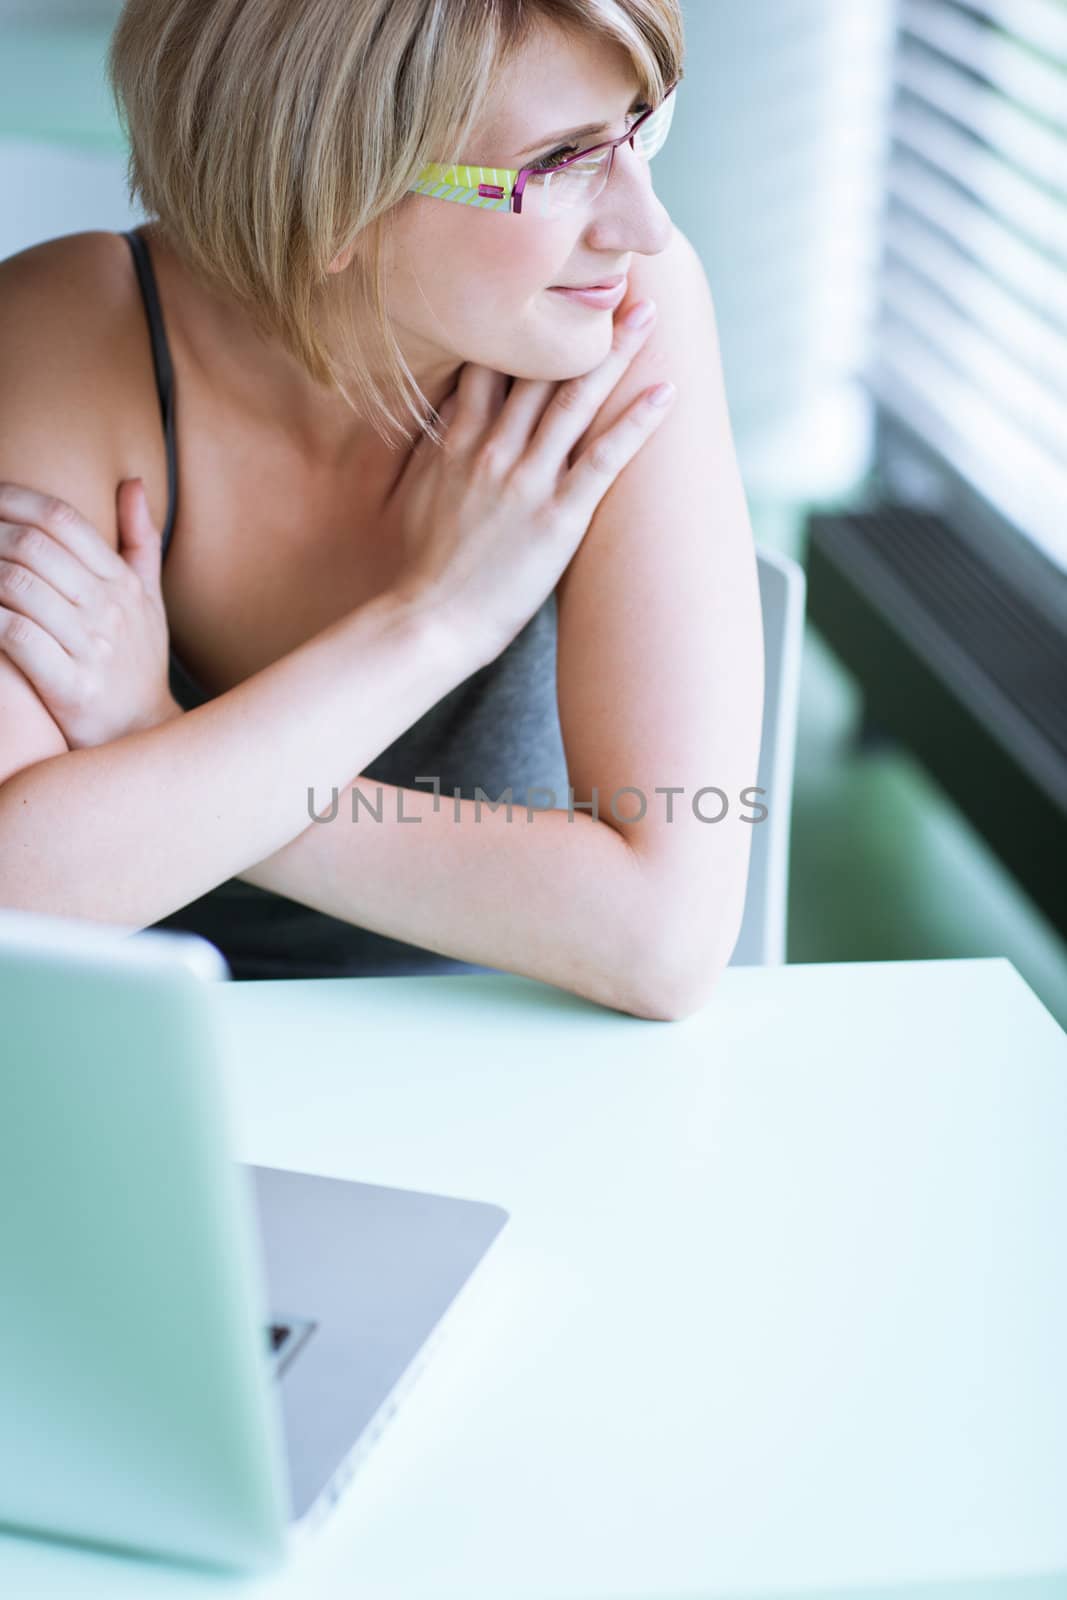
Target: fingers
x,y
140,541
22,591
600,463
28,547
62,522
480,394
524,409
577,401
37,655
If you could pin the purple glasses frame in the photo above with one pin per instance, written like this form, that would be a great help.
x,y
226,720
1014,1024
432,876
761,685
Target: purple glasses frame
x,y
492,191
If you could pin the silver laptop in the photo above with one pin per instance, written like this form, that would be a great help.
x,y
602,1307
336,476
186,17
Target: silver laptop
x,y
194,1354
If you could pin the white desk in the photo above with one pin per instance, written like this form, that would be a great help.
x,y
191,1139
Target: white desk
x,y
782,1305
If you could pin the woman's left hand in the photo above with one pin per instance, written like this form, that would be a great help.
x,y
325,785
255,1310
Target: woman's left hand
x,y
85,624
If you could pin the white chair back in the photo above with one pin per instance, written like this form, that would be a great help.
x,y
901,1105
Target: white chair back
x,y
783,586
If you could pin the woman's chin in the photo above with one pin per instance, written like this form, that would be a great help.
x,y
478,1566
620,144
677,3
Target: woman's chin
x,y
554,359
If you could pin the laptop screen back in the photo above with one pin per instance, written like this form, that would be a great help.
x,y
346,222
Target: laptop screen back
x,y
134,1378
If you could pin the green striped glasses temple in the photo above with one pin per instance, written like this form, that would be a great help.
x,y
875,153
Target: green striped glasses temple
x,y
569,182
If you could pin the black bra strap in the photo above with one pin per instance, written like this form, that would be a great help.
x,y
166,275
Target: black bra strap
x,y
164,370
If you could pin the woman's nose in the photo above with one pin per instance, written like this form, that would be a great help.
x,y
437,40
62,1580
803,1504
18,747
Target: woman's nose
x,y
627,214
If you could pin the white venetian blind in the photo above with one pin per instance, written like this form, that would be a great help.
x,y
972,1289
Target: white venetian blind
x,y
970,339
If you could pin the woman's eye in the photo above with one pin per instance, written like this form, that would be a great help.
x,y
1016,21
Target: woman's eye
x,y
547,162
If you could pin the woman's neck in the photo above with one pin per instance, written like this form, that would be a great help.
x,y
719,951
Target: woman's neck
x,y
258,375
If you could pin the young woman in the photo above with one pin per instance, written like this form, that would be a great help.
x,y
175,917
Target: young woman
x,y
433,541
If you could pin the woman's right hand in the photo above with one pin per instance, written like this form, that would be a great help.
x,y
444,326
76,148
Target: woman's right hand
x,y
491,518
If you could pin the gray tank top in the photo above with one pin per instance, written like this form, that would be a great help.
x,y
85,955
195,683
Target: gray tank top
x,y
499,729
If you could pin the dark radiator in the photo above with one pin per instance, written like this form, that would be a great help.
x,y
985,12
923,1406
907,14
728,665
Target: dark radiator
x,y
962,664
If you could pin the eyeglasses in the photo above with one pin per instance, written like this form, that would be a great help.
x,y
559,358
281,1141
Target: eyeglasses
x,y
554,185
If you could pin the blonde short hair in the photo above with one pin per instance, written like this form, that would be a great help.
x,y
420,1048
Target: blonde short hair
x,y
269,135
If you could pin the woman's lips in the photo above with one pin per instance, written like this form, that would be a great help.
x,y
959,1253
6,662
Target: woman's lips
x,y
599,299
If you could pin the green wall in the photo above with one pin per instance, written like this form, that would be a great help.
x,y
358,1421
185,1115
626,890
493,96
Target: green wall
x,y
54,85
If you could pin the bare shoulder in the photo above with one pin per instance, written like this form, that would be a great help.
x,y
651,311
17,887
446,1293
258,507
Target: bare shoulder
x,y
66,259
677,269
76,382
64,300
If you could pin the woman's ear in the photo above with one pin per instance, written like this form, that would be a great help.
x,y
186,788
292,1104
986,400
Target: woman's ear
x,y
343,260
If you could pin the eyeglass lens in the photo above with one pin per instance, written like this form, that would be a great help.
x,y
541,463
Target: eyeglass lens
x,y
582,181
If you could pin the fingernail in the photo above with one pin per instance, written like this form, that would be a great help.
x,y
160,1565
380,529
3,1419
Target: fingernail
x,y
641,313
660,395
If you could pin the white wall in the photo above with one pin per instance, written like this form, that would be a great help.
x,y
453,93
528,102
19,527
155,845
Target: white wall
x,y
50,190
773,170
